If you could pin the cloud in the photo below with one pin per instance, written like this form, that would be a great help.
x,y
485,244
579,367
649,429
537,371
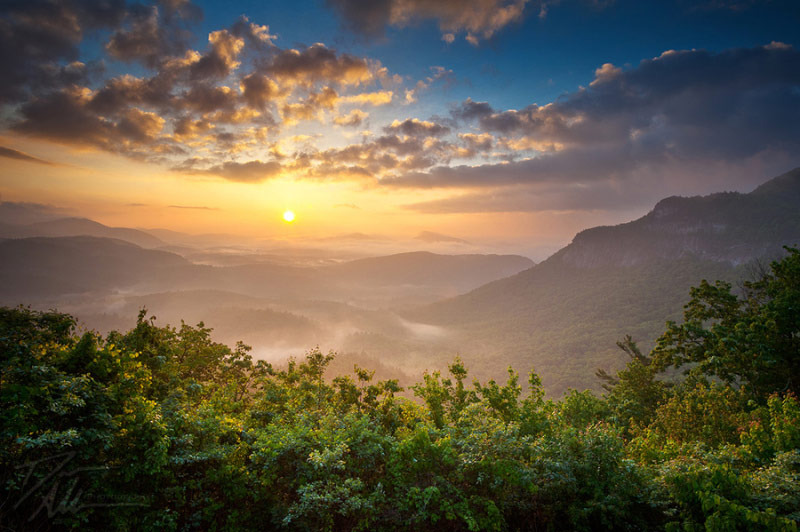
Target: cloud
x,y
605,74
318,63
482,142
227,102
67,118
221,58
14,154
140,126
204,98
479,19
39,43
683,121
194,207
416,128
352,119
311,107
553,197
148,36
687,103
437,73
369,98
258,90
245,172
690,108
382,157
232,97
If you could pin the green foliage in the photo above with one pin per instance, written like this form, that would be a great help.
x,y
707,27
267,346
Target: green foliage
x,y
161,428
752,342
635,393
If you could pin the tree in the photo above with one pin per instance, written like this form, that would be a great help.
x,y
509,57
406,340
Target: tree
x,y
634,393
751,342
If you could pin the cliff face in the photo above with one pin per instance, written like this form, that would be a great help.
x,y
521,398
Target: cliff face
x,y
725,227
564,315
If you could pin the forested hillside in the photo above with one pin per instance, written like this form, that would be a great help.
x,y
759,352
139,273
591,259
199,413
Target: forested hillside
x,y
159,428
563,315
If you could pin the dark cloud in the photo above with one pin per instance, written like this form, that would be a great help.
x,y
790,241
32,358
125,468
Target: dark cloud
x,y
584,165
689,108
39,42
687,104
221,58
204,98
480,19
149,36
39,39
15,154
417,128
66,117
256,36
367,17
140,126
318,63
258,90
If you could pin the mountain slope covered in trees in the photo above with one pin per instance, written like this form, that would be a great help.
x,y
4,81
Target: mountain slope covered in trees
x,y
564,315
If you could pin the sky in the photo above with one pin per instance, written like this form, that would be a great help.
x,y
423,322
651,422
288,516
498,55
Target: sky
x,y
512,124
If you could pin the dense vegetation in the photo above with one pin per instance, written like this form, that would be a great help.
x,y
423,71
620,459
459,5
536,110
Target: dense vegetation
x,y
161,428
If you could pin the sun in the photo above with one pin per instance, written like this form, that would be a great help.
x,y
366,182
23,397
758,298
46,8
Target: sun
x,y
288,216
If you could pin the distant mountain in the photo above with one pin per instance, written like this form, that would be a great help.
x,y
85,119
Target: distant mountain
x,y
86,227
50,267
725,227
44,267
202,241
430,236
422,268
79,227
564,315
23,213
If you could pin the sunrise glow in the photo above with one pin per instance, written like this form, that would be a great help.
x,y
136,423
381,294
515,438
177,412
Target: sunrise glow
x,y
399,264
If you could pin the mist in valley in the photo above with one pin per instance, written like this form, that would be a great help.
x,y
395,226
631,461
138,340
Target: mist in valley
x,y
343,294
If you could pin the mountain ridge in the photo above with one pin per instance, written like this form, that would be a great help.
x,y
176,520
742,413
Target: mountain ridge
x,y
564,315
78,226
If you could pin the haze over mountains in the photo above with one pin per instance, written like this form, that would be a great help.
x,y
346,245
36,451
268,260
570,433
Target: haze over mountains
x,y
565,314
282,301
413,310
